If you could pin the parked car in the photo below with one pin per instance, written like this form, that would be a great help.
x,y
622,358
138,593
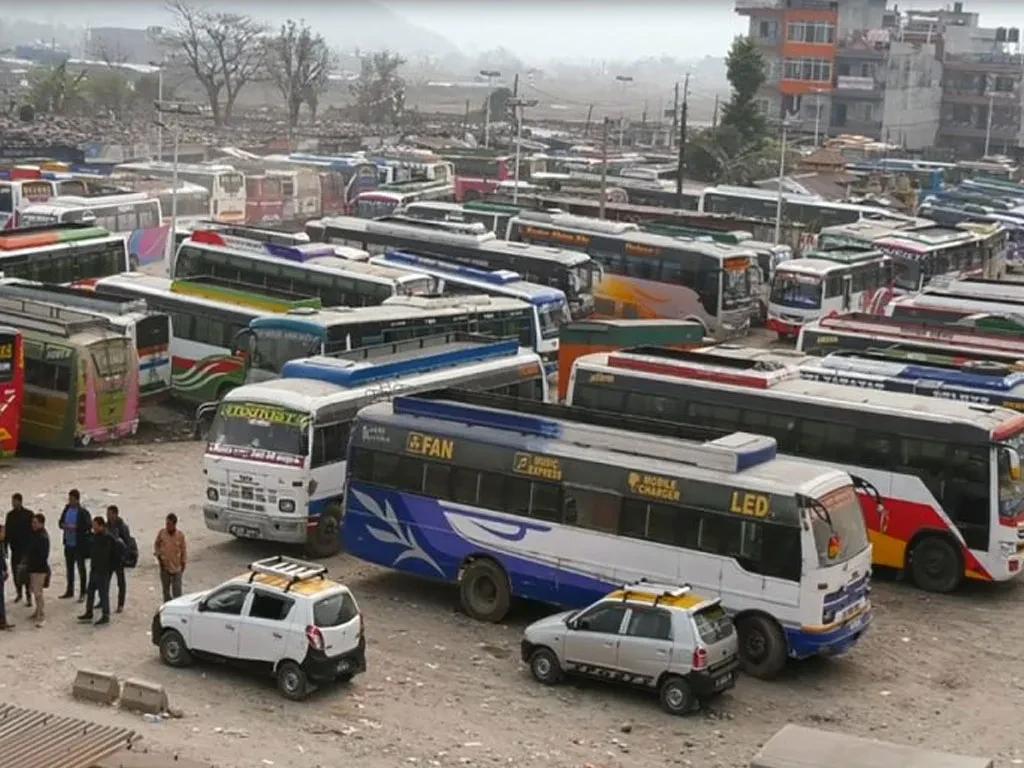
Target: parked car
x,y
661,637
284,618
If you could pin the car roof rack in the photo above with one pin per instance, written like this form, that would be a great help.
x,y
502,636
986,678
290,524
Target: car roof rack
x,y
291,569
654,589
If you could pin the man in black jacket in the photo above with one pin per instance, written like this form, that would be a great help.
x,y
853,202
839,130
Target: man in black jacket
x,y
18,526
103,556
118,528
76,523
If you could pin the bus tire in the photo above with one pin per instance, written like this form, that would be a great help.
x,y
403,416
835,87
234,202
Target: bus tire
x,y
935,565
325,540
484,591
762,646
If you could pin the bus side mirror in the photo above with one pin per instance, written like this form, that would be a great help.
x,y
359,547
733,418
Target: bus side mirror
x,y
1013,458
243,344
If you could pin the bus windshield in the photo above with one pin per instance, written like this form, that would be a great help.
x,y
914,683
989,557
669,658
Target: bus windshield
x,y
906,274
838,526
735,288
1011,490
551,316
273,347
246,427
110,357
793,290
231,182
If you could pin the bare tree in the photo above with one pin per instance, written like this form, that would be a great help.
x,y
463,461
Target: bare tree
x,y
380,90
298,62
225,51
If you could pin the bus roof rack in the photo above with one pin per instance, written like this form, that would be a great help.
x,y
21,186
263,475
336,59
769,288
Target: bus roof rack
x,y
292,570
36,314
76,298
657,590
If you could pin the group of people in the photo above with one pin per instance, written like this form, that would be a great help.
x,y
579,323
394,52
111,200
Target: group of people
x,y
98,549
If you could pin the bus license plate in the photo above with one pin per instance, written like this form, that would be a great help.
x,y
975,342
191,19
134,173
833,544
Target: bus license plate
x,y
244,531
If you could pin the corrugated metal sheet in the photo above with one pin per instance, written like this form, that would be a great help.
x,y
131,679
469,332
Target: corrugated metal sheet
x,y
33,739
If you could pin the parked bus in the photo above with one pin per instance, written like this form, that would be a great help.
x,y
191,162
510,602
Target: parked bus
x,y
270,342
574,506
135,215
81,376
307,270
149,330
939,480
863,234
12,389
920,256
264,199
342,178
284,442
573,273
300,190
225,185
491,216
62,253
949,314
859,332
977,289
550,309
22,186
385,200
649,276
206,317
828,283
1013,225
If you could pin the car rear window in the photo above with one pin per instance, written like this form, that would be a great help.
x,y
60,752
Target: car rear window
x,y
335,610
713,623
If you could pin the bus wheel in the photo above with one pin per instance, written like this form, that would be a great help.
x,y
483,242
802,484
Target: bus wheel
x,y
484,591
935,565
762,647
325,540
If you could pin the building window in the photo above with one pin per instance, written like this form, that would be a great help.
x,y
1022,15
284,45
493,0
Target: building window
x,y
809,70
820,33
768,30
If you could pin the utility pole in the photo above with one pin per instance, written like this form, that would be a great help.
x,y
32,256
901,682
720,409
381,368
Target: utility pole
x,y
988,126
782,175
465,120
176,108
675,115
490,74
682,144
604,170
714,115
586,128
518,107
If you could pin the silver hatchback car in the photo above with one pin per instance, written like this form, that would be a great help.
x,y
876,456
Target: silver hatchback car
x,y
660,637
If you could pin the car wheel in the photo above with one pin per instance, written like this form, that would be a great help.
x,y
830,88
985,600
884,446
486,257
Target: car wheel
x,y
544,667
762,647
935,565
676,697
173,651
292,681
484,591
325,539
345,677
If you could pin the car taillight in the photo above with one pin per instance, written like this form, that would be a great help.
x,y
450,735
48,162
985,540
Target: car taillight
x,y
315,638
700,658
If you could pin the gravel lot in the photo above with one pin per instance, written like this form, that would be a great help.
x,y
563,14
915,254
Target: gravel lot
x,y
442,690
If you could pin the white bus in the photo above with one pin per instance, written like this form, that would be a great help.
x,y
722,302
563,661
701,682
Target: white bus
x,y
62,253
550,308
939,480
921,255
224,183
560,505
149,330
274,462
827,283
306,270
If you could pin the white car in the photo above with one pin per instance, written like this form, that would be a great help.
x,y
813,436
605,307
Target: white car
x,y
284,617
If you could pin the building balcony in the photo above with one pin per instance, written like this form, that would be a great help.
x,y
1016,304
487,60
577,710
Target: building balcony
x,y
989,63
852,87
973,97
859,51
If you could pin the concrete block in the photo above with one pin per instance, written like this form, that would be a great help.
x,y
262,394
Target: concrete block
x,y
143,696
143,759
96,686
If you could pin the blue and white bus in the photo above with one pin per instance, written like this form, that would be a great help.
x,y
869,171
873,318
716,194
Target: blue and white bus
x,y
550,308
271,341
549,503
275,453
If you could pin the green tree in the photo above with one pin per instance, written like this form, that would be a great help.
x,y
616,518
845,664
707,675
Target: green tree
x,y
298,62
57,91
379,90
499,104
745,68
110,92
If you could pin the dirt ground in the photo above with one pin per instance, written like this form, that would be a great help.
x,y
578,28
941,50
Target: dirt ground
x,y
443,690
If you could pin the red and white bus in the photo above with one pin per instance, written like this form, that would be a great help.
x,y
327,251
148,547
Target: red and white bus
x,y
264,199
939,480
921,255
12,389
825,284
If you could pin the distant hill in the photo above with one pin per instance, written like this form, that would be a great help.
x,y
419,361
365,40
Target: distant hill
x,y
368,25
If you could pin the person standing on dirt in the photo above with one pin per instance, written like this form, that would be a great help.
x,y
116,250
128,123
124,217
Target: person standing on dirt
x,y
18,527
171,553
127,551
103,556
37,564
3,581
76,523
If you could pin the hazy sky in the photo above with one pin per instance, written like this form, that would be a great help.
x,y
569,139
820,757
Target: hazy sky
x,y
531,29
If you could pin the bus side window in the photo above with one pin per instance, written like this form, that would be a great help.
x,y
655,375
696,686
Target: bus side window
x,y
966,497
546,502
875,449
598,510
329,443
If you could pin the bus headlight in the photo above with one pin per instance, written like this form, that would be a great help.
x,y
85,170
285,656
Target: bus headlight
x,y
286,505
212,495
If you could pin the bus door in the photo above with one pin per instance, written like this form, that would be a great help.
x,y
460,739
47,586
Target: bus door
x,y
326,485
12,390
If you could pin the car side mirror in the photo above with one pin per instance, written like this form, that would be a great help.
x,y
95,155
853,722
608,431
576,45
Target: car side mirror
x,y
202,607
571,624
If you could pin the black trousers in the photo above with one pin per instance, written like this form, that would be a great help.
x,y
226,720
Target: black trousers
x,y
74,558
18,575
122,585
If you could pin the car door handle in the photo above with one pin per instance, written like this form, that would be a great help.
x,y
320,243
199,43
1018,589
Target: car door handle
x,y
230,627
278,635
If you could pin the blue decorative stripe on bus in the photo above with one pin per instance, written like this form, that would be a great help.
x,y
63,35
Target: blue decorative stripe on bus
x,y
299,253
756,456
911,387
477,417
497,277
803,644
147,363
321,369
964,378
285,323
